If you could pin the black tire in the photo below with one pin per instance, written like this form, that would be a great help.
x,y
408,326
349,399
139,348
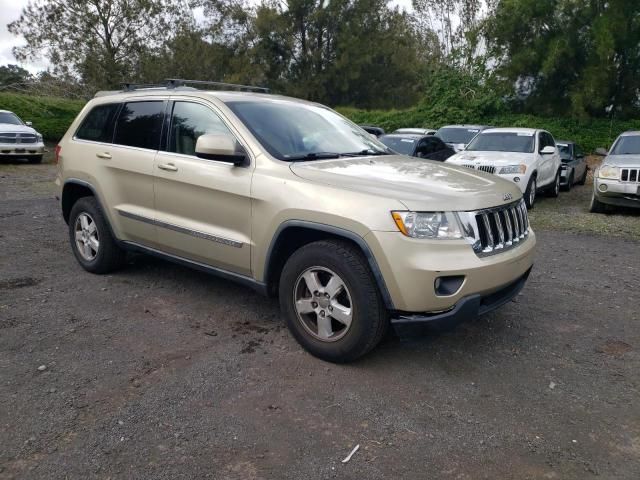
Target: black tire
x,y
33,159
583,180
530,192
569,184
369,317
597,206
554,189
109,256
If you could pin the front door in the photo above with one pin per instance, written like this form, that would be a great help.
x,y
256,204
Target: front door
x,y
203,207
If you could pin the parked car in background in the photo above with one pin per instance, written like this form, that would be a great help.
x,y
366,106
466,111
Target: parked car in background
x,y
574,166
416,131
526,156
617,181
19,139
459,136
422,146
373,130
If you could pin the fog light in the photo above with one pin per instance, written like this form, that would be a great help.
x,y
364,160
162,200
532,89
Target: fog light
x,y
516,179
603,187
446,286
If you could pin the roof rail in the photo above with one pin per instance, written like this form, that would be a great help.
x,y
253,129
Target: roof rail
x,y
129,87
179,82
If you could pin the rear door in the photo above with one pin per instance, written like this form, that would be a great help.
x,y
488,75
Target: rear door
x,y
203,207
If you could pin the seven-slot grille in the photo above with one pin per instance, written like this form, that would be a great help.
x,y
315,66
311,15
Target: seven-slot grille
x,y
483,168
630,175
501,228
17,138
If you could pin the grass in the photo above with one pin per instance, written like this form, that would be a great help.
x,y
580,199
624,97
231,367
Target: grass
x,y
570,213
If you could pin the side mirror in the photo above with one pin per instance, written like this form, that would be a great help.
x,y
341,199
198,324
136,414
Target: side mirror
x,y
548,150
601,151
221,147
28,124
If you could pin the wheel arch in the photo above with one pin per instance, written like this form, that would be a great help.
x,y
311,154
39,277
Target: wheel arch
x,y
293,234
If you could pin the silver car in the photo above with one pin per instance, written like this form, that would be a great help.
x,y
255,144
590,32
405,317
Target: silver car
x,y
617,180
19,139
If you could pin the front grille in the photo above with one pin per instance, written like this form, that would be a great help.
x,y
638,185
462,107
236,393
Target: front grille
x,y
501,228
630,175
14,138
482,168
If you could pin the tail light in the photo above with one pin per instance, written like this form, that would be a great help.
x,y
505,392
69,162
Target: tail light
x,y
57,153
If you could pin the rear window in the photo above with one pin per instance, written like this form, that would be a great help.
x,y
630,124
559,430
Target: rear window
x,y
457,135
97,126
139,124
399,144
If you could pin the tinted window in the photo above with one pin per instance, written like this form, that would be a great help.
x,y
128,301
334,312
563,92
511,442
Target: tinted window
x,y
402,145
98,124
565,151
457,135
188,122
139,124
503,142
10,118
578,151
627,145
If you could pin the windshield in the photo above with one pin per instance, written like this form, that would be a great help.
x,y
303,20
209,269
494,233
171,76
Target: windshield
x,y
627,145
10,118
503,142
293,131
565,150
457,135
401,145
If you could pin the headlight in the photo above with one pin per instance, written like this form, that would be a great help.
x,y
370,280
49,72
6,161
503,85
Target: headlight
x,y
607,171
38,137
512,169
434,225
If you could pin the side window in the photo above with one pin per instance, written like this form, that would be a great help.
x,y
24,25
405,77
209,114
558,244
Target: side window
x,y
189,121
97,126
550,141
578,151
139,124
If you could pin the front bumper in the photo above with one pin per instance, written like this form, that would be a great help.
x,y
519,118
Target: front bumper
x,y
21,149
621,194
468,308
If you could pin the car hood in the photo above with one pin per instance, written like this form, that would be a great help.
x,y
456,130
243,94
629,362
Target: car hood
x,y
622,160
10,128
494,158
419,184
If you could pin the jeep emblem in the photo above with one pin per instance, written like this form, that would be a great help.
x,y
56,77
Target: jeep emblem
x,y
507,196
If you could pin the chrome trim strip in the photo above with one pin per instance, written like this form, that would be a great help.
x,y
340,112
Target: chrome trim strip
x,y
186,231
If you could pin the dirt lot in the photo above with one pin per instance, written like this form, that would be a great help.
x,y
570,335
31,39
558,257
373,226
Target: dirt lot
x,y
162,372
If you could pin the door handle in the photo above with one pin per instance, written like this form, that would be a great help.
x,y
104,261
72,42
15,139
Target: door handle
x,y
105,155
169,167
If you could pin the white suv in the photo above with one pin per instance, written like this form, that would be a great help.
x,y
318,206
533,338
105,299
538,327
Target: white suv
x,y
526,156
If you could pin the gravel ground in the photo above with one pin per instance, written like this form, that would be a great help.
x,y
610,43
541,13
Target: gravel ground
x,y
165,373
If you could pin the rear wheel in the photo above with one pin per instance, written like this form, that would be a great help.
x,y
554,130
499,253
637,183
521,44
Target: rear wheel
x,y
530,192
554,191
584,177
331,302
91,241
569,184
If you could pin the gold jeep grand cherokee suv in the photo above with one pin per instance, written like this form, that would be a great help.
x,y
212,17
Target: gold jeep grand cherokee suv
x,y
293,199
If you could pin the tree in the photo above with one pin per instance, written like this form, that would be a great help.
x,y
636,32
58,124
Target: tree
x,y
564,55
102,41
13,75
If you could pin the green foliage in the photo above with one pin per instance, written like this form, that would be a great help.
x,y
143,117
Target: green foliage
x,y
13,74
51,116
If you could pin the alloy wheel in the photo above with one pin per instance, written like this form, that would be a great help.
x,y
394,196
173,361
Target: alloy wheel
x,y
86,236
323,304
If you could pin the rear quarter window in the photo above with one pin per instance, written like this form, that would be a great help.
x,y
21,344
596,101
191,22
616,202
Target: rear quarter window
x,y
97,126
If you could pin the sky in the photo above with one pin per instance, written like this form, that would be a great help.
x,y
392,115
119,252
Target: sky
x,y
10,11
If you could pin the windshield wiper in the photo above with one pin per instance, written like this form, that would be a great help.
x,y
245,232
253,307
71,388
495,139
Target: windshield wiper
x,y
313,156
367,152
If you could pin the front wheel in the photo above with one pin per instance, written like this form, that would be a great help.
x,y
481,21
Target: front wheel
x,y
530,193
584,176
330,301
569,184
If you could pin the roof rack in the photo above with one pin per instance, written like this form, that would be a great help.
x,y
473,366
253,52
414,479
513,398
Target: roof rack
x,y
179,82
